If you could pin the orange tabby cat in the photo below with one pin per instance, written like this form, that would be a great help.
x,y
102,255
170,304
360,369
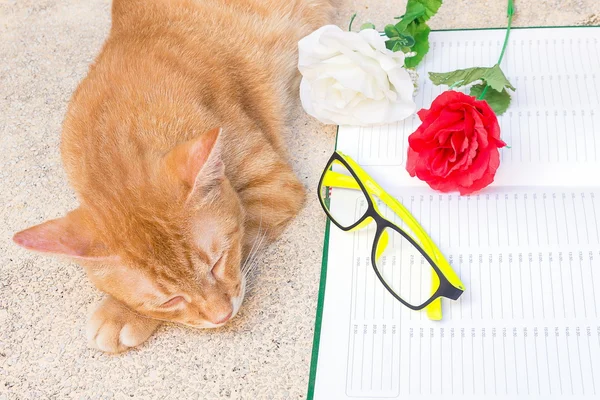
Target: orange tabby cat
x,y
173,145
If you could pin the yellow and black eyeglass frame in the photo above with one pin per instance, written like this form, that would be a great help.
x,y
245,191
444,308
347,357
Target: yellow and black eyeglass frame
x,y
445,281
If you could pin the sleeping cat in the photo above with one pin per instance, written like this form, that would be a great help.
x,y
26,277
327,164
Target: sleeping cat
x,y
173,145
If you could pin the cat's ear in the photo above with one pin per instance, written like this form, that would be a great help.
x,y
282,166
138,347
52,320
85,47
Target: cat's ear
x,y
68,236
197,162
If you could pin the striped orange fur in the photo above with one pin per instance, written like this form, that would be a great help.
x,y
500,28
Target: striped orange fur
x,y
173,145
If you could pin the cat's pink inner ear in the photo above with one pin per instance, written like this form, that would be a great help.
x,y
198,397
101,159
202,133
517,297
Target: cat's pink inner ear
x,y
67,236
188,159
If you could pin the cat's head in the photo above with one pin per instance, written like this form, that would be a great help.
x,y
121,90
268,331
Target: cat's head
x,y
166,241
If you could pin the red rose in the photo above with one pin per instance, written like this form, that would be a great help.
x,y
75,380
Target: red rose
x,y
456,146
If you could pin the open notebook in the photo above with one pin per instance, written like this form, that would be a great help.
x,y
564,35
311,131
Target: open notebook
x,y
527,248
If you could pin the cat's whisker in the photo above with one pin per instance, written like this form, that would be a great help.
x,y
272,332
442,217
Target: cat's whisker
x,y
253,251
250,285
254,245
258,241
251,264
251,269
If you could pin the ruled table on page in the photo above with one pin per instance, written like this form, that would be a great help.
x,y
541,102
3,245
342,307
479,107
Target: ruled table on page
x,y
539,279
527,248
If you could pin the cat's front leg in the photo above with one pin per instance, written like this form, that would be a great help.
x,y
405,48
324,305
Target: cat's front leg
x,y
113,328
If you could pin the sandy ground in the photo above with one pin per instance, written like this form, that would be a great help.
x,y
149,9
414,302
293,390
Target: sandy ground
x,y
45,49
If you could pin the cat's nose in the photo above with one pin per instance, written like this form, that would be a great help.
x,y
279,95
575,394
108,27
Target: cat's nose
x,y
222,320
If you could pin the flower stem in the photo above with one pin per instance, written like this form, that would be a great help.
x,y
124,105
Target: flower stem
x,y
351,21
510,12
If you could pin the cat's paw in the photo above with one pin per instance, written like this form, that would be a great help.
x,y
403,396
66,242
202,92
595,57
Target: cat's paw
x,y
113,328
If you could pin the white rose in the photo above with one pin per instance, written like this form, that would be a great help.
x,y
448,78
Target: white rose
x,y
351,78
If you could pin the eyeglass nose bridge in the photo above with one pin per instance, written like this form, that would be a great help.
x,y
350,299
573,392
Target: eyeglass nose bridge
x,y
364,223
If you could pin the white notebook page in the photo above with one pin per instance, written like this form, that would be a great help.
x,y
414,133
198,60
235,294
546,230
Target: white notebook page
x,y
527,247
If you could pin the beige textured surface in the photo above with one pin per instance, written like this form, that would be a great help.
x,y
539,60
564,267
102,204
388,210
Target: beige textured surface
x,y
45,48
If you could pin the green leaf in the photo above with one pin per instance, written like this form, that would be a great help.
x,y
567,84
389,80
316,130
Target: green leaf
x,y
413,24
493,76
460,77
414,10
498,101
408,41
400,41
431,7
367,25
391,31
420,33
496,79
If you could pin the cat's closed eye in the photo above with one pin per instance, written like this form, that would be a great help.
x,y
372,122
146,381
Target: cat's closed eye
x,y
175,301
218,268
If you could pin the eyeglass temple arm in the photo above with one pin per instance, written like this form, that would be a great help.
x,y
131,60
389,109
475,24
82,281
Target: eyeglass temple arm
x,y
440,260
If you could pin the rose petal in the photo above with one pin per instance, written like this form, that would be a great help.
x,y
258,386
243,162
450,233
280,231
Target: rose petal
x,y
488,176
490,117
422,137
479,129
423,113
446,137
473,144
412,158
450,98
421,169
439,163
459,141
476,170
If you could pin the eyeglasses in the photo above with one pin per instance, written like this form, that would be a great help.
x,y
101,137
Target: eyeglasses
x,y
418,279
